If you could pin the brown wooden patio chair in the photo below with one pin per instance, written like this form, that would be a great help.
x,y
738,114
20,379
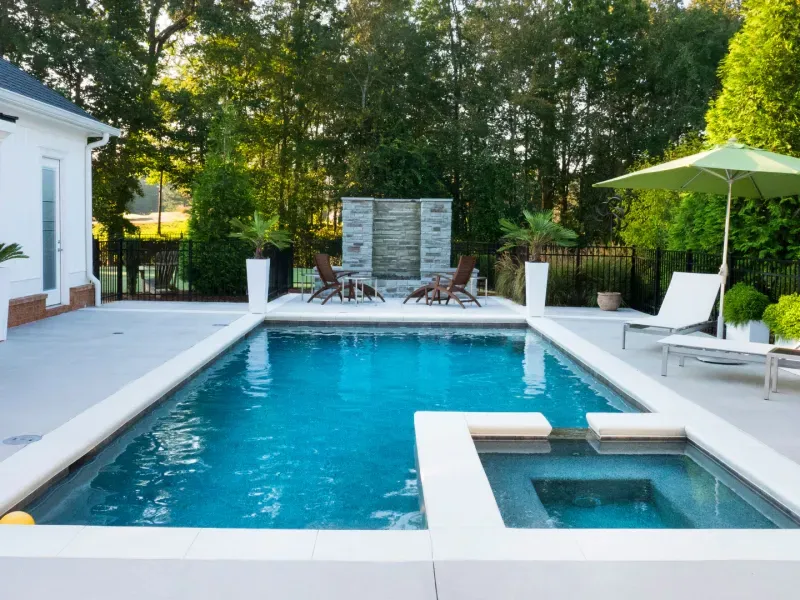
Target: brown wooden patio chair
x,y
338,283
331,280
450,285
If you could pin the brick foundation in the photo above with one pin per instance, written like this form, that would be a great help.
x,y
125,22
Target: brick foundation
x,y
34,307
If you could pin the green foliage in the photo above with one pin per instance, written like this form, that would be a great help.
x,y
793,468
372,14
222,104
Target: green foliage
x,y
650,214
222,193
760,99
10,252
783,318
744,303
260,232
216,267
538,231
502,105
131,258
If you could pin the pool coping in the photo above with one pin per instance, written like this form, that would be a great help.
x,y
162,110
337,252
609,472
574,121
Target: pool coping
x,y
464,524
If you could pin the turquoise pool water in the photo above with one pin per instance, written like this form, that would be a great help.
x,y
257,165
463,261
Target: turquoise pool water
x,y
313,428
578,485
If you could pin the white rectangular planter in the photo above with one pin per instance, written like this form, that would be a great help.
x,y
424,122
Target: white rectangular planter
x,y
536,287
786,342
754,331
5,291
257,284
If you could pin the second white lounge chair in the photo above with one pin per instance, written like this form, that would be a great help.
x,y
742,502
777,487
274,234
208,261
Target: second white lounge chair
x,y
686,308
710,347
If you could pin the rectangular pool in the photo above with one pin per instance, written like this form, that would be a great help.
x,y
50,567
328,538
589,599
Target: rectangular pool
x,y
300,427
614,485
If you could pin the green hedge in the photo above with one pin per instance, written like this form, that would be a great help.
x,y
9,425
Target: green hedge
x,y
783,318
216,268
744,303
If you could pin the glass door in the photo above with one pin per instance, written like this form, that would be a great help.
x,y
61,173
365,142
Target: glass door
x,y
51,234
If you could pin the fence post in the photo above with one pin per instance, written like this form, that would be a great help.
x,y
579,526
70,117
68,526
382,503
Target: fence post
x,y
96,257
689,261
120,250
189,269
657,282
632,293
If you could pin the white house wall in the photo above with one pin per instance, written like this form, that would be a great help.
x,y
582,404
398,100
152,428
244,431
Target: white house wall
x,y
21,155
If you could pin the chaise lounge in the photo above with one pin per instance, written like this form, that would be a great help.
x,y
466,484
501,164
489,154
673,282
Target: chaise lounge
x,y
450,286
686,308
338,282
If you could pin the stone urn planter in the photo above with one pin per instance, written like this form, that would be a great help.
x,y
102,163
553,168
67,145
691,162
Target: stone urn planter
x,y
609,300
257,284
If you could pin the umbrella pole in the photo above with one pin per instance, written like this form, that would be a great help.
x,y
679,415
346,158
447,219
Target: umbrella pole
x,y
723,270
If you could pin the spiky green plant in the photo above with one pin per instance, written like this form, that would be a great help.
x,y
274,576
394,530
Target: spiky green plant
x,y
10,252
260,232
538,232
510,281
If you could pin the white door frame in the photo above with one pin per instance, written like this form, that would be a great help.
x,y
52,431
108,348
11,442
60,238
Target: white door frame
x,y
53,291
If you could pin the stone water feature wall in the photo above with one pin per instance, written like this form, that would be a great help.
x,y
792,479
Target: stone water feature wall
x,y
399,241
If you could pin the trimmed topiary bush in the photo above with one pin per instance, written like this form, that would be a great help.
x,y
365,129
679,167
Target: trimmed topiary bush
x,y
744,303
783,318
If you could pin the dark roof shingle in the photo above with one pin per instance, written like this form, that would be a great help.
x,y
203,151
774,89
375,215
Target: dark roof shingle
x,y
14,79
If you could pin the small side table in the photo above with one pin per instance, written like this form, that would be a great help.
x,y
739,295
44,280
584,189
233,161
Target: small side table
x,y
778,357
485,288
359,281
307,281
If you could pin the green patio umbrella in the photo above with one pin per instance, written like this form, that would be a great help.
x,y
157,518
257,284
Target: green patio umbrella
x,y
733,169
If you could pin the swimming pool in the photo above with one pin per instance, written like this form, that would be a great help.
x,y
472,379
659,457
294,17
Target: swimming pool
x,y
575,484
300,427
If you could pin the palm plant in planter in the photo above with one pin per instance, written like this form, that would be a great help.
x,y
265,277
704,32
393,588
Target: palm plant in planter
x,y
260,232
7,252
536,233
743,310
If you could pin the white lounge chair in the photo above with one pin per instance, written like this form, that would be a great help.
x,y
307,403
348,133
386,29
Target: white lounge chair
x,y
686,308
711,347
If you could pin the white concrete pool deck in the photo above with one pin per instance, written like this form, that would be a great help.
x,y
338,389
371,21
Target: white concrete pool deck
x,y
54,369
733,392
453,560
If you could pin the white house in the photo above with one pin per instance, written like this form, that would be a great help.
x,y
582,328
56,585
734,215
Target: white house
x,y
46,145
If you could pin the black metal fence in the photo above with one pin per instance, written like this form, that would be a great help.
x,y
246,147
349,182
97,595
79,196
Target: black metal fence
x,y
643,275
182,269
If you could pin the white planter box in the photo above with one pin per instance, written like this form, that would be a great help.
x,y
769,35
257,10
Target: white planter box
x,y
786,343
754,331
536,287
5,290
257,284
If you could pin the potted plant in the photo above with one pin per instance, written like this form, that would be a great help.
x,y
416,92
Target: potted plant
x,y
783,319
259,232
538,232
743,309
609,300
7,252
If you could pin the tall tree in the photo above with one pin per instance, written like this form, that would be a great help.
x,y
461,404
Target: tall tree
x,y
760,99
